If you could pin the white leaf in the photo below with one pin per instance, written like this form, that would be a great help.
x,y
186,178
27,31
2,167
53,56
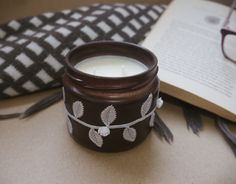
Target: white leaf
x,y
95,137
69,125
151,122
146,105
108,115
78,109
129,134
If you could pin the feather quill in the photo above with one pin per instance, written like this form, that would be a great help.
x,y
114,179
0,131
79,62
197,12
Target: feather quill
x,y
38,106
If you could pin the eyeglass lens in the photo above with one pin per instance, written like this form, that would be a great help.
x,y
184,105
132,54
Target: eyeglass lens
x,y
230,39
229,46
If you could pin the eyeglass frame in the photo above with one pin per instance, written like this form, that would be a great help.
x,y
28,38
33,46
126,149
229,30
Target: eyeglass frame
x,y
226,31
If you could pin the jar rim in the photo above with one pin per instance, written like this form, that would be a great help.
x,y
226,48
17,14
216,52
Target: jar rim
x,y
100,48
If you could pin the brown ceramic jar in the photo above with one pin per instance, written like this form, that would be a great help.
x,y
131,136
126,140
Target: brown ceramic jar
x,y
110,114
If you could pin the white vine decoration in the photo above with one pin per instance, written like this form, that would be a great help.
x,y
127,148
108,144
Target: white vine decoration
x,y
69,126
108,116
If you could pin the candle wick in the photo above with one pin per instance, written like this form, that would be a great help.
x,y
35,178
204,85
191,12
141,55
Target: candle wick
x,y
123,70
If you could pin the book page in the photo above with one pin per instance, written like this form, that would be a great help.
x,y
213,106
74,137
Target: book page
x,y
187,43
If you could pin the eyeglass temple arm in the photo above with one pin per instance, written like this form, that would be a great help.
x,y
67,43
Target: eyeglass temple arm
x,y
233,6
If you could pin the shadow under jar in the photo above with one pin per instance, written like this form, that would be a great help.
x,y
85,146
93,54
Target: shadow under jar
x,y
110,113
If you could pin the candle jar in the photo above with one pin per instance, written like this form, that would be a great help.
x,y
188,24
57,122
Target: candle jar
x,y
110,114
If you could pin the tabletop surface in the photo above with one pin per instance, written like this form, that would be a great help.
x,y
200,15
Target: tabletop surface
x,y
39,150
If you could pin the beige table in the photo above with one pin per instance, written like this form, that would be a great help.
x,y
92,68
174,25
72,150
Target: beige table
x,y
39,150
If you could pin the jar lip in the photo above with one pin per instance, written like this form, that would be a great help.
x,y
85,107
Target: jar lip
x,y
111,43
103,47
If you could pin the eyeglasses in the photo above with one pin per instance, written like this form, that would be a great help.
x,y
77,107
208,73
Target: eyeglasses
x,y
228,41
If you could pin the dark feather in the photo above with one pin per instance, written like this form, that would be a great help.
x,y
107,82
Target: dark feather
x,y
9,116
222,124
42,104
193,118
162,130
192,114
38,106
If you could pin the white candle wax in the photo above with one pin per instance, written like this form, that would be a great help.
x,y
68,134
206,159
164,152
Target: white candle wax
x,y
111,66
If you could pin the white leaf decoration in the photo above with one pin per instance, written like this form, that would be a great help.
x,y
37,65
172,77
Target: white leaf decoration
x,y
129,134
151,122
159,103
146,105
69,125
108,115
78,109
104,131
95,137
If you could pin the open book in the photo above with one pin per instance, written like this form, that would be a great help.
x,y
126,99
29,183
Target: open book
x,y
187,43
